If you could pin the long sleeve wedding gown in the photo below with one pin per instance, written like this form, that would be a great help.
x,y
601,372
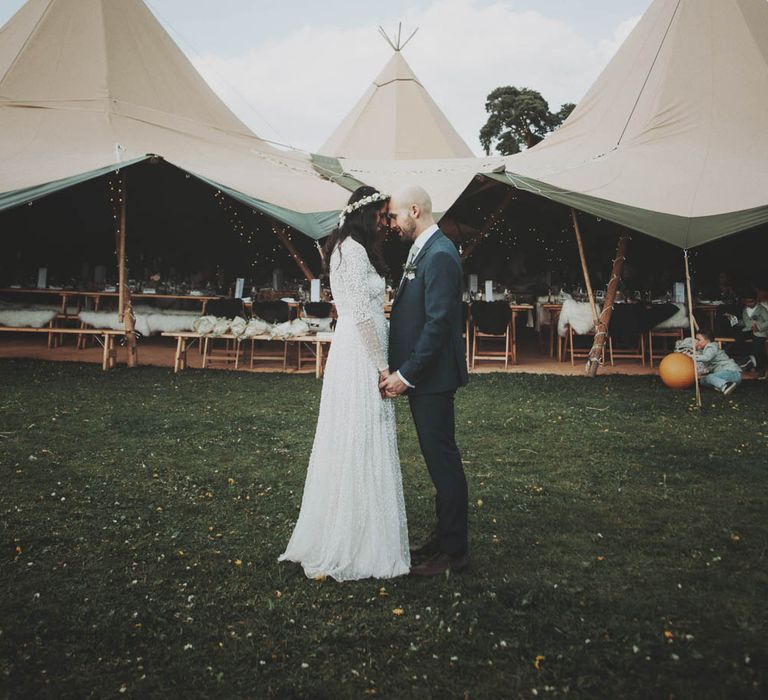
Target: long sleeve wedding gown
x,y
352,522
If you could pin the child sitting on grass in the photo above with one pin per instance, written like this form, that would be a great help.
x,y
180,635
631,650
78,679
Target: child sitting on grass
x,y
715,368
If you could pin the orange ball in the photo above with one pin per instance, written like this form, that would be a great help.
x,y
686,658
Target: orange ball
x,y
676,371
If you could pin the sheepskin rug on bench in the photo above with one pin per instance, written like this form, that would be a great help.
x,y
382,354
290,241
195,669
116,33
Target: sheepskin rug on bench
x,y
26,318
149,321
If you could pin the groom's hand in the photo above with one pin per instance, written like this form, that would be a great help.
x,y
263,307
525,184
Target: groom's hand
x,y
392,386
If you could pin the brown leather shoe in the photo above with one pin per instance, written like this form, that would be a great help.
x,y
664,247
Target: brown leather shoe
x,y
439,564
425,549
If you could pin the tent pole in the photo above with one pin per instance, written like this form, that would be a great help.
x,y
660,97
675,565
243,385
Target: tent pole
x,y
601,328
282,234
320,253
692,321
124,303
584,268
120,248
490,221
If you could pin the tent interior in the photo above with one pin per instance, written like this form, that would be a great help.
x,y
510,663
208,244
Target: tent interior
x,y
189,233
530,247
178,226
196,237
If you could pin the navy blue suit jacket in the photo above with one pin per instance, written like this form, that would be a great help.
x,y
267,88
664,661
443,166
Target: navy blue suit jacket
x,y
426,322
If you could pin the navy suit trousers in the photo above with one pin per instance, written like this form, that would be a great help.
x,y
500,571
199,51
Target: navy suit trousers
x,y
433,415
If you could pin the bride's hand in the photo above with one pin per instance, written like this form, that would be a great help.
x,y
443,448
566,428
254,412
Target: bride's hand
x,y
383,374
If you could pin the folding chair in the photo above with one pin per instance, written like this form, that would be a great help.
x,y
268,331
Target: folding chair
x,y
491,320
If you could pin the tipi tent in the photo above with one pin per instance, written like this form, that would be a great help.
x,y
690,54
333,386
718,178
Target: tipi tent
x,y
86,85
396,119
671,140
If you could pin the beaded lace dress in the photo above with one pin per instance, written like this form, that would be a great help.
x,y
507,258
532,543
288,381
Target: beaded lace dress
x,y
352,522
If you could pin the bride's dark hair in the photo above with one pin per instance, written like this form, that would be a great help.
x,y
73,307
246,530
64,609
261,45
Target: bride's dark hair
x,y
361,225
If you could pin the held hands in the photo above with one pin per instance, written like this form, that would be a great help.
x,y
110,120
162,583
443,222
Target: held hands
x,y
383,374
390,385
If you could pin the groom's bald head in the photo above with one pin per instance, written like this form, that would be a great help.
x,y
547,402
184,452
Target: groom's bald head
x,y
411,211
414,195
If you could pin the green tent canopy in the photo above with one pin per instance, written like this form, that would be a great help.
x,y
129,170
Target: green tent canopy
x,y
94,85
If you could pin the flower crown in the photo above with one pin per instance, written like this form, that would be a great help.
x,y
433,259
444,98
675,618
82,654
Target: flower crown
x,y
360,203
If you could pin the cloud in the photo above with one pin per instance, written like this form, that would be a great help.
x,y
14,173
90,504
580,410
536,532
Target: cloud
x,y
608,47
298,88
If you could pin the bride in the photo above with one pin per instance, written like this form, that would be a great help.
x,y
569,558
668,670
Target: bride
x,y
352,522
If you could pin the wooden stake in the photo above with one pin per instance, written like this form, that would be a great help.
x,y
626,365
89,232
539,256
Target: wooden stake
x,y
584,269
692,322
601,327
466,252
282,234
124,303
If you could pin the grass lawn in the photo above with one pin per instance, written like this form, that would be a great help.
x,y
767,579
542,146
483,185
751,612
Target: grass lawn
x,y
618,541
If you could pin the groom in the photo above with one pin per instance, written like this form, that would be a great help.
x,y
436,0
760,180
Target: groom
x,y
426,355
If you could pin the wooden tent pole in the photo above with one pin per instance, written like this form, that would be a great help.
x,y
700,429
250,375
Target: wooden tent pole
x,y
283,236
124,303
692,322
601,327
321,254
466,252
584,269
121,248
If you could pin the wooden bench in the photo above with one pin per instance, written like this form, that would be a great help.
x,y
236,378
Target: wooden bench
x,y
54,339
109,355
725,340
185,338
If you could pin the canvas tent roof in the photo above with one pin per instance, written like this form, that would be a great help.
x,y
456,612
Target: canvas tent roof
x,y
671,140
87,84
445,180
396,119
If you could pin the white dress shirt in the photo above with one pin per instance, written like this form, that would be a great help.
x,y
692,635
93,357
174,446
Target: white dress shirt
x,y
418,244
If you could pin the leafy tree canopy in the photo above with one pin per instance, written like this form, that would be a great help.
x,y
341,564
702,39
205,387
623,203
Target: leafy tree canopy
x,y
518,117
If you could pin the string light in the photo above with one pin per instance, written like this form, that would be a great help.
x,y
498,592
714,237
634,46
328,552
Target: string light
x,y
117,200
245,233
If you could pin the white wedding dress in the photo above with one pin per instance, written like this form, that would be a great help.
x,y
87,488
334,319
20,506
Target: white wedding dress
x,y
352,522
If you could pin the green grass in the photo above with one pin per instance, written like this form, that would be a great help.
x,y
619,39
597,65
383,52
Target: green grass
x,y
618,536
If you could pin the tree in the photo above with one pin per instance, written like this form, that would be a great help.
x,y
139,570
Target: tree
x,y
563,114
518,117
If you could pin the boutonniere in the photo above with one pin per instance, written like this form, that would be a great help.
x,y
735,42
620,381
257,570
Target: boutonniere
x,y
409,271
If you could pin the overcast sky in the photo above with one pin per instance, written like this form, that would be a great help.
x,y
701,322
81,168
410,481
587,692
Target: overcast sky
x,y
292,69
